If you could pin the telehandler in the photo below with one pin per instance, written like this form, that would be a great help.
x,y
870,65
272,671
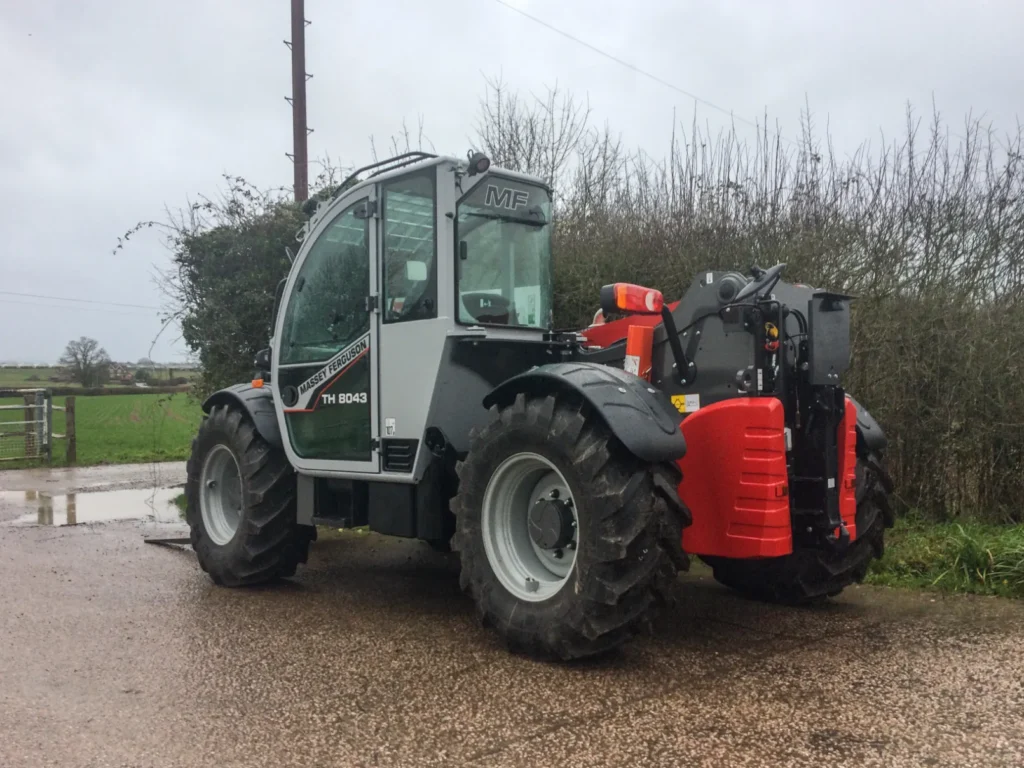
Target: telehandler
x,y
414,384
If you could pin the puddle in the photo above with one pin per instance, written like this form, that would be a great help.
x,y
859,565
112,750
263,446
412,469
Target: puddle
x,y
39,508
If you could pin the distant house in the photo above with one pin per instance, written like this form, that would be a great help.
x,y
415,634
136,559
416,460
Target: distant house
x,y
121,373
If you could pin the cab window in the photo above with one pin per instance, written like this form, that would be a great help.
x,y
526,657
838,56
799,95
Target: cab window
x,y
503,237
327,309
410,248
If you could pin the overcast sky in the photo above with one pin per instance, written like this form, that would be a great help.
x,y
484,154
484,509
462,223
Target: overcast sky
x,y
114,110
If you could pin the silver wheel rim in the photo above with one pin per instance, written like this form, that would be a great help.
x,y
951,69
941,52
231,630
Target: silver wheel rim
x,y
526,570
220,495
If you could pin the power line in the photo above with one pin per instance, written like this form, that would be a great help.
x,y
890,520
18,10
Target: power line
x,y
6,302
83,301
639,71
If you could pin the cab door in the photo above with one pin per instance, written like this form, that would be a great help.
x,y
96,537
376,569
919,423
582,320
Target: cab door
x,y
324,371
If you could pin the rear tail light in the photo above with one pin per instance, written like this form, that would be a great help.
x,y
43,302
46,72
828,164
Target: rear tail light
x,y
626,297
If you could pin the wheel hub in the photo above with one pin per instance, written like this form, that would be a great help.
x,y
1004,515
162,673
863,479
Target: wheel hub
x,y
552,524
220,496
530,526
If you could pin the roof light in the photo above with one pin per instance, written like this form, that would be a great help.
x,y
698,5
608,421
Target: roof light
x,y
626,297
478,163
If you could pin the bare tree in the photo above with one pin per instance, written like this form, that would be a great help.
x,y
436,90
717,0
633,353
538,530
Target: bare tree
x,y
540,137
88,361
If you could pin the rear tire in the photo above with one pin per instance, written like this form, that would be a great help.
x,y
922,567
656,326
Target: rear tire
x,y
628,525
240,494
813,575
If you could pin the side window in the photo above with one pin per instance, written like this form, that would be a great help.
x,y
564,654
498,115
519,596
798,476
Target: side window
x,y
327,309
410,248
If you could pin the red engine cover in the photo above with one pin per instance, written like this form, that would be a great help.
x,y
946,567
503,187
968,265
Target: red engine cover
x,y
735,480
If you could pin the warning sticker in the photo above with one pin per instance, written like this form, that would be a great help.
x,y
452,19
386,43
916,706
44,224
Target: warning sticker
x,y
686,403
632,364
389,427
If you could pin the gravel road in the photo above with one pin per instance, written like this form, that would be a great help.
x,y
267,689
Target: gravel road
x,y
118,653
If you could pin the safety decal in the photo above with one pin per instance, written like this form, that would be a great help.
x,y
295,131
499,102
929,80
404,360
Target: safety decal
x,y
332,369
686,403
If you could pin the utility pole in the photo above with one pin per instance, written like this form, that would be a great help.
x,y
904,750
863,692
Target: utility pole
x,y
300,131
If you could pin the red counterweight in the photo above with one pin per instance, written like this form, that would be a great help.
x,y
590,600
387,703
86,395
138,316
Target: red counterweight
x,y
735,480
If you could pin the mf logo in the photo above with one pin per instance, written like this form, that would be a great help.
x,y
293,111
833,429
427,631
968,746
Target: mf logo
x,y
512,199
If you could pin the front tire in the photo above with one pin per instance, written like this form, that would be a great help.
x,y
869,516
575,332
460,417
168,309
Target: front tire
x,y
240,494
626,528
810,576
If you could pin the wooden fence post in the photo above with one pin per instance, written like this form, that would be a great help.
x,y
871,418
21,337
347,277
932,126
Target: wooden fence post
x,y
69,429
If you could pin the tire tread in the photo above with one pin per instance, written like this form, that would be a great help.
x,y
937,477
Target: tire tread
x,y
635,507
273,544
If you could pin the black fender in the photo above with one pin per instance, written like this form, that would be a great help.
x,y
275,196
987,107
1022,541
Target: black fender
x,y
640,416
257,402
870,437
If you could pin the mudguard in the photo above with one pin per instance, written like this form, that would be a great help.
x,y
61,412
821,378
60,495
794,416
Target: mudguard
x,y
870,436
639,415
258,402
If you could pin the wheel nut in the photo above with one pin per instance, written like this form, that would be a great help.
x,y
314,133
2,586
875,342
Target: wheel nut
x,y
211,483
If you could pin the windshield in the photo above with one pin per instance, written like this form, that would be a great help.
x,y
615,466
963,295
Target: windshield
x,y
503,255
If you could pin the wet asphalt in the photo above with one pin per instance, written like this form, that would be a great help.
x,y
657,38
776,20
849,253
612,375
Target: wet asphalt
x,y
118,653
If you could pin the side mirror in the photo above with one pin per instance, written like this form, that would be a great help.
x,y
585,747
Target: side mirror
x,y
536,213
626,297
416,271
262,361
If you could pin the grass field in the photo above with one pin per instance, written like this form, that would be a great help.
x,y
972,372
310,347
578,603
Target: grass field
x,y
119,429
25,377
21,378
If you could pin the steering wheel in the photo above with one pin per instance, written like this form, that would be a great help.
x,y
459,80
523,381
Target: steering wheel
x,y
763,280
488,307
